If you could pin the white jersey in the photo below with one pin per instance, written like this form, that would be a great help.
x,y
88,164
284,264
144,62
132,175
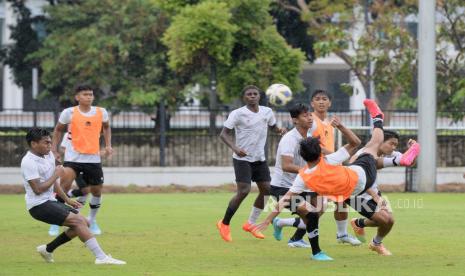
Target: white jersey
x,y
36,167
251,130
375,184
70,154
335,158
288,146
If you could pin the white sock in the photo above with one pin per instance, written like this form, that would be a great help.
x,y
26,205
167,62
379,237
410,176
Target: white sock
x,y
94,207
70,193
391,161
377,239
283,222
254,214
82,200
342,227
93,246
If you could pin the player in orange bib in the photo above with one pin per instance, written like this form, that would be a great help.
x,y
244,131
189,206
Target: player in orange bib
x,y
82,154
328,177
320,101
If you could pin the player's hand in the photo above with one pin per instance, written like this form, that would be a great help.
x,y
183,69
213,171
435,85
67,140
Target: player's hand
x,y
108,152
240,152
59,171
73,203
335,122
262,226
410,143
281,131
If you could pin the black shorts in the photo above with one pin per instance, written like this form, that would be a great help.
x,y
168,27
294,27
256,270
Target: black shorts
x,y
92,173
51,212
365,207
80,181
246,172
279,192
368,163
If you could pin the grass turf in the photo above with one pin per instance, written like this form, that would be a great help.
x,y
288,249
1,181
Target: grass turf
x,y
160,234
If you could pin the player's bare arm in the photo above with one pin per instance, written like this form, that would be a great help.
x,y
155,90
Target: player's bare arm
x,y
56,139
278,130
38,188
352,139
226,136
287,164
107,137
283,202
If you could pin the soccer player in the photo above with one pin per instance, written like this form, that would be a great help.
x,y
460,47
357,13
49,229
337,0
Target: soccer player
x,y
40,178
327,177
250,124
322,128
86,122
81,192
288,164
384,220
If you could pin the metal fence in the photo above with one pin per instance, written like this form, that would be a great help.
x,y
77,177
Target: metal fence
x,y
187,139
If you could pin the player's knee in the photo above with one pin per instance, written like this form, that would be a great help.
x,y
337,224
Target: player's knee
x,y
243,192
390,221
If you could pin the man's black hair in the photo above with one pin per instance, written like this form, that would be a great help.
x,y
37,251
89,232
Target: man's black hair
x,y
36,134
248,87
82,87
388,134
310,149
321,91
298,109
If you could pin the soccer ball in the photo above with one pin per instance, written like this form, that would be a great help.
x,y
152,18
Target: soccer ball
x,y
279,94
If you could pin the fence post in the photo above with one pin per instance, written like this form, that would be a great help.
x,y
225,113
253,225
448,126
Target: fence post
x,y
162,121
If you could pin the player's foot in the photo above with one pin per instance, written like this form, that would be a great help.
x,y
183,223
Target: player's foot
x,y
409,156
54,230
109,260
380,249
298,244
373,108
95,229
42,250
247,227
277,230
224,231
359,231
321,257
349,239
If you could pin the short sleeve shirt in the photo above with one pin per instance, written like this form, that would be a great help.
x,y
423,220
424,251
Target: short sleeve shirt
x,y
41,168
251,130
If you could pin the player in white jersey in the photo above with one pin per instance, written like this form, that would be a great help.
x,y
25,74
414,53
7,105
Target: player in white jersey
x,y
40,178
85,123
250,124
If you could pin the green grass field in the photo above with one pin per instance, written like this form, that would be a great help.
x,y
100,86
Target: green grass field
x,y
160,234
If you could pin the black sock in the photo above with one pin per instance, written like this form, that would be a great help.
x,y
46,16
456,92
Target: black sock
x,y
378,122
228,215
61,239
312,230
59,199
296,222
77,193
360,222
298,235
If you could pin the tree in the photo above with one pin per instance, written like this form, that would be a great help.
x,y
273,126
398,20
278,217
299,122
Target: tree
x,y
250,50
387,42
26,39
112,44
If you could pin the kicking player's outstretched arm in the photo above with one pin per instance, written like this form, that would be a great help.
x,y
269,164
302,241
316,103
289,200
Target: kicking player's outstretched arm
x,y
227,138
282,203
352,139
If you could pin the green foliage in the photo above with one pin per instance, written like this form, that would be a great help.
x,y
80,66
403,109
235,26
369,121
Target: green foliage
x,y
114,45
199,34
240,38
